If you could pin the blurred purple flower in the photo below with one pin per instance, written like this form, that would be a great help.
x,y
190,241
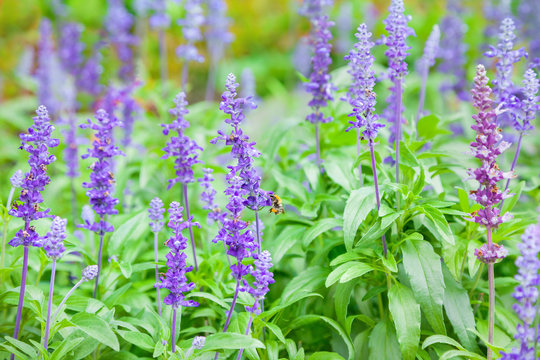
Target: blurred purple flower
x,y
208,195
90,72
428,60
191,30
528,106
528,11
17,179
159,18
263,278
70,48
155,213
47,72
54,240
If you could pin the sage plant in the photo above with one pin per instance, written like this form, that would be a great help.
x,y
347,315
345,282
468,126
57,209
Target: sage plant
x,y
428,60
54,248
160,21
363,100
101,184
398,31
263,278
16,182
487,146
185,153
319,85
155,213
526,295
175,279
36,143
48,70
191,30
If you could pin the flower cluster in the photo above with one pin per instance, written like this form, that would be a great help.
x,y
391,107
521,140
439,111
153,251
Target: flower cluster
x,y
191,30
118,24
529,104
217,33
528,11
175,279
54,240
159,18
71,155
430,50
48,71
263,278
184,150
526,293
319,84
361,95
90,72
506,56
155,213
398,30
242,148
453,48
101,182
208,197
36,143
70,48
89,272
314,8
17,179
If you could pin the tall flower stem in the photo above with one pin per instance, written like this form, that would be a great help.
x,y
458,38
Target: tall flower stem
x,y
49,307
248,327
211,82
377,196
229,315
173,328
422,95
4,234
399,99
163,62
158,295
62,303
491,284
318,146
21,297
358,151
100,254
190,229
73,200
184,75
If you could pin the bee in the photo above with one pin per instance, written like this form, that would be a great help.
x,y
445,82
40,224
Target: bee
x,y
277,205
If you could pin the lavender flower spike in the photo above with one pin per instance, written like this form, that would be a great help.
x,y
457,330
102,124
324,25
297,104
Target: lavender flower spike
x,y
428,60
527,109
398,31
54,247
191,25
175,279
48,70
526,294
487,147
36,143
155,213
263,278
319,84
185,153
161,21
208,197
363,99
101,184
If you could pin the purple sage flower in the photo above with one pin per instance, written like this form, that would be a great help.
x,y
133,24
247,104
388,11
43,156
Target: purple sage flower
x,y
191,30
48,71
159,18
90,72
155,213
526,294
54,240
208,196
263,278
453,50
70,48
528,11
17,179
428,60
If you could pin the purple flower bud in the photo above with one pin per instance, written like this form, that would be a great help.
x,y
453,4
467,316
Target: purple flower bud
x,y
17,179
181,148
489,256
89,272
36,143
54,240
198,342
155,212
175,279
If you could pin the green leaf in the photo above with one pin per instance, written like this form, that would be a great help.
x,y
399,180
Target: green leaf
x,y
406,316
306,282
276,331
455,353
441,339
112,299
423,266
339,169
359,205
24,347
379,228
210,297
325,355
406,156
511,202
159,349
141,340
383,343
226,341
436,223
356,269
65,347
290,185
427,127
459,311
341,302
286,240
320,227
129,232
96,328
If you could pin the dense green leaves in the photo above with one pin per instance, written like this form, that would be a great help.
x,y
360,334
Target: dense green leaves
x,y
359,205
97,328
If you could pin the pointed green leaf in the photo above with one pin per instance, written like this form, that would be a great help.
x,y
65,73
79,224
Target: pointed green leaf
x,y
224,341
320,227
406,316
437,224
423,267
97,328
139,339
359,204
65,347
383,343
441,339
